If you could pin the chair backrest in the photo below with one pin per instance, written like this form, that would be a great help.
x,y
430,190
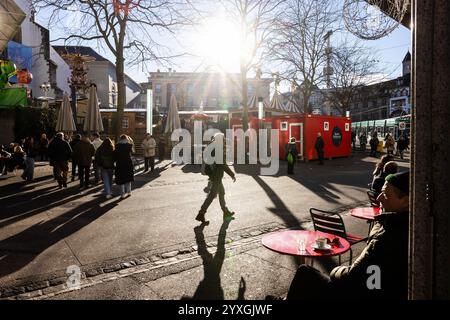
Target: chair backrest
x,y
328,222
373,198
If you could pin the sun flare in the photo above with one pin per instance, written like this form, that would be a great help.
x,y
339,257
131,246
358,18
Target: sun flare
x,y
219,44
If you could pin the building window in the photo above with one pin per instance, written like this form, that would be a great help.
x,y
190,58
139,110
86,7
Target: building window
x,y
157,102
125,123
157,88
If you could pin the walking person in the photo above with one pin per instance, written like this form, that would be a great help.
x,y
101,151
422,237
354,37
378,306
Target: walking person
x,y
96,142
215,172
374,144
73,143
389,144
43,147
161,148
83,153
319,147
60,152
362,141
104,157
402,144
31,151
149,147
291,155
124,170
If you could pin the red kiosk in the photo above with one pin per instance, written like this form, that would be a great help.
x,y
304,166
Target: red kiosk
x,y
336,133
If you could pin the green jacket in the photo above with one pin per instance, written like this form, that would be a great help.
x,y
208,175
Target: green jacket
x,y
387,248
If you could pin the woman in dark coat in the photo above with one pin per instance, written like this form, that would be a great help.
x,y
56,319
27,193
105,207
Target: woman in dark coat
x,y
124,166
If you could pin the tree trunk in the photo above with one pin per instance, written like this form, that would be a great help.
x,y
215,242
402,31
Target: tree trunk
x,y
121,95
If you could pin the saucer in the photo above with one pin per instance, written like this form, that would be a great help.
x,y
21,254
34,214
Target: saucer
x,y
326,247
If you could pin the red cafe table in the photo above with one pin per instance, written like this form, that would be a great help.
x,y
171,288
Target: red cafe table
x,y
288,242
366,213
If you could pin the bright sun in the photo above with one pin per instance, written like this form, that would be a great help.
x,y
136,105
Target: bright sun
x,y
219,43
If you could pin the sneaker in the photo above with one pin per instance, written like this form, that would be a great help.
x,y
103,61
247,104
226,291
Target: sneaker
x,y
129,194
200,217
108,196
228,214
123,196
64,184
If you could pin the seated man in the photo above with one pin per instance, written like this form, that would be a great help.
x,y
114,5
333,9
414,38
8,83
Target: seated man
x,y
386,250
390,167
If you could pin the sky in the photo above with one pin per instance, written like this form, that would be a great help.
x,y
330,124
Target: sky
x,y
218,43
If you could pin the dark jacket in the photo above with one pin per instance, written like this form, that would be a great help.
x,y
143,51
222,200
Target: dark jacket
x,y
218,171
104,157
387,248
83,153
31,150
319,144
74,142
378,182
59,150
291,148
124,165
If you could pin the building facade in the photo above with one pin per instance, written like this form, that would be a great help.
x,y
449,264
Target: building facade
x,y
215,91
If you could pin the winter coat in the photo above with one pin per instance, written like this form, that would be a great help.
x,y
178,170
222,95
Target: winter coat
x,y
149,147
104,157
291,148
124,165
389,143
387,248
402,143
43,144
319,144
83,153
59,150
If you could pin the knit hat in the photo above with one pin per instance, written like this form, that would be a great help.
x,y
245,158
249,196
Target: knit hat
x,y
400,181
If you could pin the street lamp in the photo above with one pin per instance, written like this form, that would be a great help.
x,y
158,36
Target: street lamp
x,y
45,87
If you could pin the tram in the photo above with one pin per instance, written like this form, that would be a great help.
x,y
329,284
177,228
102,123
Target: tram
x,y
394,126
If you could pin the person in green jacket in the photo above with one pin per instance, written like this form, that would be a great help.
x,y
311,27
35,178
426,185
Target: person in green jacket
x,y
215,172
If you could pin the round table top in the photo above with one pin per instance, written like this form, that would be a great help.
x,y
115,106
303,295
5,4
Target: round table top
x,y
288,242
367,213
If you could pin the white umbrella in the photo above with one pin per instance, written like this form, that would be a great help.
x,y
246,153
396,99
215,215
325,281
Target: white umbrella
x,y
173,119
11,17
65,117
93,119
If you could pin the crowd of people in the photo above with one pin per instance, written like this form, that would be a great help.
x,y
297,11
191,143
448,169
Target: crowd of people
x,y
88,154
377,146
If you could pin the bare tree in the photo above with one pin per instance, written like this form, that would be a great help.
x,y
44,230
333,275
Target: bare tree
x,y
126,27
256,19
300,46
353,65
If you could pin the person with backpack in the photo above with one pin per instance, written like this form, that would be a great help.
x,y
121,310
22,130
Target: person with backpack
x,y
215,173
291,155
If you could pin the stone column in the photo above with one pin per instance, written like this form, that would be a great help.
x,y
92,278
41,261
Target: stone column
x,y
430,163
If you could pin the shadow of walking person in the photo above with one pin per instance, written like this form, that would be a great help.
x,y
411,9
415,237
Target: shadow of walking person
x,y
210,287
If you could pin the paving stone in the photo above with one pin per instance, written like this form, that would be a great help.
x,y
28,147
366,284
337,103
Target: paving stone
x,y
29,295
57,281
54,289
128,264
93,272
112,268
37,285
169,254
142,261
255,233
12,291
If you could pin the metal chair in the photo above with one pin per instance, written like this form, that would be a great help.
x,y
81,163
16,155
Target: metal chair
x,y
373,198
333,223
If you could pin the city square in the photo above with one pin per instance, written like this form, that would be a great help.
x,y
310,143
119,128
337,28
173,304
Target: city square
x,y
230,150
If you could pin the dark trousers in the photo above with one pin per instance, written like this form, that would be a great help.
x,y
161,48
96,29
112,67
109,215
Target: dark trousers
x,y
291,167
320,155
83,174
74,169
216,188
309,284
97,171
149,161
60,170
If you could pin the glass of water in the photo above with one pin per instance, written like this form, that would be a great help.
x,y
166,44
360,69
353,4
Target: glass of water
x,y
301,245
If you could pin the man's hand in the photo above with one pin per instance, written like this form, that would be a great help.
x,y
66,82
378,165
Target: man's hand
x,y
234,178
